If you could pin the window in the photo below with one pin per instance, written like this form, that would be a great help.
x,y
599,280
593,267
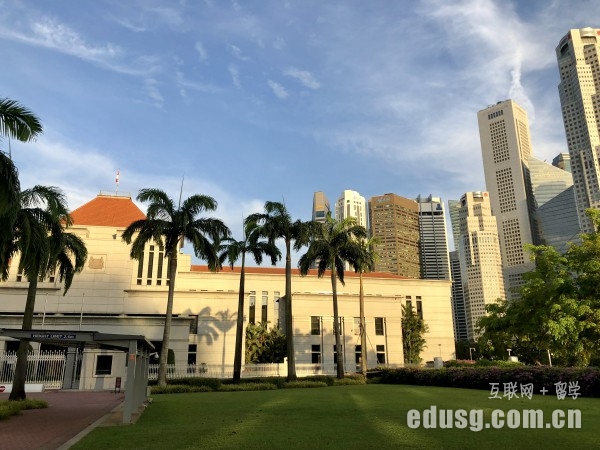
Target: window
x,y
252,309
357,354
335,353
192,349
194,325
315,325
379,326
409,305
263,309
276,297
316,354
380,354
357,326
420,309
104,364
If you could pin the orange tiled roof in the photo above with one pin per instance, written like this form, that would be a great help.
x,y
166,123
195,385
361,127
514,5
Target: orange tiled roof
x,y
108,211
281,271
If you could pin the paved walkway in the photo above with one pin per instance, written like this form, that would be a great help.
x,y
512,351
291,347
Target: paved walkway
x,y
69,413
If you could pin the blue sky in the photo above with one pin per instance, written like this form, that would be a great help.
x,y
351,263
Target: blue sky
x,y
270,100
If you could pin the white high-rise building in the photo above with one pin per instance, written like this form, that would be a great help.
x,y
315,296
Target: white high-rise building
x,y
578,55
352,204
506,148
480,260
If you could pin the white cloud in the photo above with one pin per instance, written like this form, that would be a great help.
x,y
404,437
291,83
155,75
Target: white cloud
x,y
182,82
278,90
201,51
304,76
279,43
153,92
235,75
51,34
237,53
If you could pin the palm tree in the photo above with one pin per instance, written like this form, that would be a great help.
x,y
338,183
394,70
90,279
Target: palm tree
x,y
45,248
332,244
364,263
169,225
232,250
18,122
277,223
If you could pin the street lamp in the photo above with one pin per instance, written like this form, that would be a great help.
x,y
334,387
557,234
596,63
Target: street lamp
x,y
509,350
471,353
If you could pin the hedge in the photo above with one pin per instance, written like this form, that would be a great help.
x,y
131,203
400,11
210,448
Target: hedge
x,y
588,379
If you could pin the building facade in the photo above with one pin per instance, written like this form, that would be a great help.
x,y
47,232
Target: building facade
x,y
320,207
352,204
115,294
433,239
394,221
480,259
578,55
506,149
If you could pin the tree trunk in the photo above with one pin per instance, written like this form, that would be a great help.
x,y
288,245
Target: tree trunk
x,y
164,353
18,389
336,325
363,329
237,360
289,329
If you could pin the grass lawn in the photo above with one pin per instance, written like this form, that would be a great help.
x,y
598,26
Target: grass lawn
x,y
367,416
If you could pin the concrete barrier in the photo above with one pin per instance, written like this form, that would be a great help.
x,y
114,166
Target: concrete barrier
x,y
29,387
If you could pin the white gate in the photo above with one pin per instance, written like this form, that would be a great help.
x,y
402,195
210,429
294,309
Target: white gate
x,y
47,368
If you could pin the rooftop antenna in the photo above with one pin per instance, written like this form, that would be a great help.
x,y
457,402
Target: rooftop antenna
x,y
117,181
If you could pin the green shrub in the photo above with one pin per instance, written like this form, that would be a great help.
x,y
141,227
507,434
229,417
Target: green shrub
x,y
305,384
497,363
10,408
213,383
276,381
247,387
179,388
349,381
329,381
587,379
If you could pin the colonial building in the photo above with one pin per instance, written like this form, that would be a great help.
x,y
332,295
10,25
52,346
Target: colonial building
x,y
115,294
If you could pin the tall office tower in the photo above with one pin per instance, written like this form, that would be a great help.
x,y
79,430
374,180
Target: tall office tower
x,y
351,204
506,148
458,296
459,318
562,161
454,211
578,55
480,260
555,208
394,220
319,214
320,207
433,238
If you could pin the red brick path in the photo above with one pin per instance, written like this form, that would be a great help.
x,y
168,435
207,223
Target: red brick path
x,y
68,413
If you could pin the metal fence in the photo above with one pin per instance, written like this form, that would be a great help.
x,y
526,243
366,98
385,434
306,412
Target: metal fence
x,y
47,368
248,370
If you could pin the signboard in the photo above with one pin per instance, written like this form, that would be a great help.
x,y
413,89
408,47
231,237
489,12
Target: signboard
x,y
52,336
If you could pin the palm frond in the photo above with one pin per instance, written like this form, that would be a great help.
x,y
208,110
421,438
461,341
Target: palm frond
x,y
18,122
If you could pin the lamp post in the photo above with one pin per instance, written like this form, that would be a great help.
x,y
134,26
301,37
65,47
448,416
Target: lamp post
x,y
471,353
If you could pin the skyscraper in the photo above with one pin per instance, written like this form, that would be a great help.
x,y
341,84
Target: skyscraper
x,y
562,161
480,260
352,204
459,318
578,55
394,220
506,148
532,200
433,239
320,207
